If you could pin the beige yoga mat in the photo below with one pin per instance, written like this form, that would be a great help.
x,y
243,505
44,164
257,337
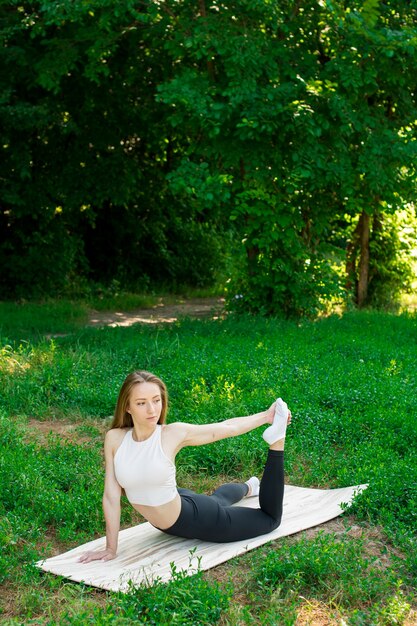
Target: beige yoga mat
x,y
146,554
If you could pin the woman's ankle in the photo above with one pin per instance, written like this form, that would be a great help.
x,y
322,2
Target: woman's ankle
x,y
278,445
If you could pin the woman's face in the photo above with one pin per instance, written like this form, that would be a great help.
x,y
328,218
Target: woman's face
x,y
145,404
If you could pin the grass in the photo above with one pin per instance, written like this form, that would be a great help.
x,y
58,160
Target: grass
x,y
32,321
351,383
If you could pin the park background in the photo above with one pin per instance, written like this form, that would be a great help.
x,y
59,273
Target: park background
x,y
262,153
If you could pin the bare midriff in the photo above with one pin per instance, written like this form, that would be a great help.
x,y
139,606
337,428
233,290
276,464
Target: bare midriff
x,y
162,516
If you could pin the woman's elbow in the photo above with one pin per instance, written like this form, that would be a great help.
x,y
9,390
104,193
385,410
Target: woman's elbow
x,y
231,430
111,499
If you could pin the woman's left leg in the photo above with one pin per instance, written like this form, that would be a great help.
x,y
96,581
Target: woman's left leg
x,y
230,493
226,495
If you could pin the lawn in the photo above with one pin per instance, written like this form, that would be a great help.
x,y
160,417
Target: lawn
x,y
351,383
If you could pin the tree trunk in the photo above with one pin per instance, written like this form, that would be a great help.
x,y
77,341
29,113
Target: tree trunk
x,y
350,269
252,256
377,227
351,258
363,280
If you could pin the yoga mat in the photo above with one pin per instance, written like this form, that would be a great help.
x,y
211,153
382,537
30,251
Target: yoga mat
x,y
146,554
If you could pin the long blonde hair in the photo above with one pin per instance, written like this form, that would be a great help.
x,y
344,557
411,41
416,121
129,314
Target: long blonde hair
x,y
123,419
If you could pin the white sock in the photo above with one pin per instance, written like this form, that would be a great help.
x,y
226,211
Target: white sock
x,y
279,426
253,484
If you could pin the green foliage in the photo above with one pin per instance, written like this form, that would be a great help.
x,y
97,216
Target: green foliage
x,y
50,259
392,249
131,137
85,154
305,127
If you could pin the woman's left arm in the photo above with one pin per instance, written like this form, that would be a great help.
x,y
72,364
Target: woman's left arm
x,y
200,434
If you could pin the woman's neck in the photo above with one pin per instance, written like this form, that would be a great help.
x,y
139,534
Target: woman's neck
x,y
142,434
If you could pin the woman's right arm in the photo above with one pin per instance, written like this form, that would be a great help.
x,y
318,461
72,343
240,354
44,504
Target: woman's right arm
x,y
111,506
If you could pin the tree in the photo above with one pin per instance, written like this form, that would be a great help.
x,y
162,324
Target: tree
x,y
307,114
86,152
142,133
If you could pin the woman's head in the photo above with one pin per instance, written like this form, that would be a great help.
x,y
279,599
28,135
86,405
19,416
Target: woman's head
x,y
122,417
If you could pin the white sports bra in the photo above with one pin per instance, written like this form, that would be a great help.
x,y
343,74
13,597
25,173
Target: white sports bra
x,y
144,471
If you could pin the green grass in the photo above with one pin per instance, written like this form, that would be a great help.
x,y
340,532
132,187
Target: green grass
x,y
34,320
31,320
351,383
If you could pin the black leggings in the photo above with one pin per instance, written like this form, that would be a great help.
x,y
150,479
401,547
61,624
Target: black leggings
x,y
212,518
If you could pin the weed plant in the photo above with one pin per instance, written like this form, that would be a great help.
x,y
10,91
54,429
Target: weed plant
x,y
351,383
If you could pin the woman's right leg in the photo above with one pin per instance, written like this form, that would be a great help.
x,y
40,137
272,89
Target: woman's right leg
x,y
271,491
205,517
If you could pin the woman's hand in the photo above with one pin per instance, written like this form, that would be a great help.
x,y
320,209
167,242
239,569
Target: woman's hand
x,y
99,555
271,412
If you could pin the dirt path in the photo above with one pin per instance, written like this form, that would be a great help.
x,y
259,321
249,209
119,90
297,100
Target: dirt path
x,y
211,308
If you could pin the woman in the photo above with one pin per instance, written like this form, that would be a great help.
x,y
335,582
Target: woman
x,y
140,450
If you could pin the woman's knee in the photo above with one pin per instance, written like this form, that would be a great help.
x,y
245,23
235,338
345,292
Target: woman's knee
x,y
275,522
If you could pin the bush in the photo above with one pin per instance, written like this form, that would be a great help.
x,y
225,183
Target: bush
x,y
39,260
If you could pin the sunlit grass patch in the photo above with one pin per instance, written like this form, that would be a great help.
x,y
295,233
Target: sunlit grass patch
x,y
14,361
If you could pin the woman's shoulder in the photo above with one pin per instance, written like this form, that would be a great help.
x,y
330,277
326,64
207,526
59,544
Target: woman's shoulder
x,y
114,436
174,430
173,427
